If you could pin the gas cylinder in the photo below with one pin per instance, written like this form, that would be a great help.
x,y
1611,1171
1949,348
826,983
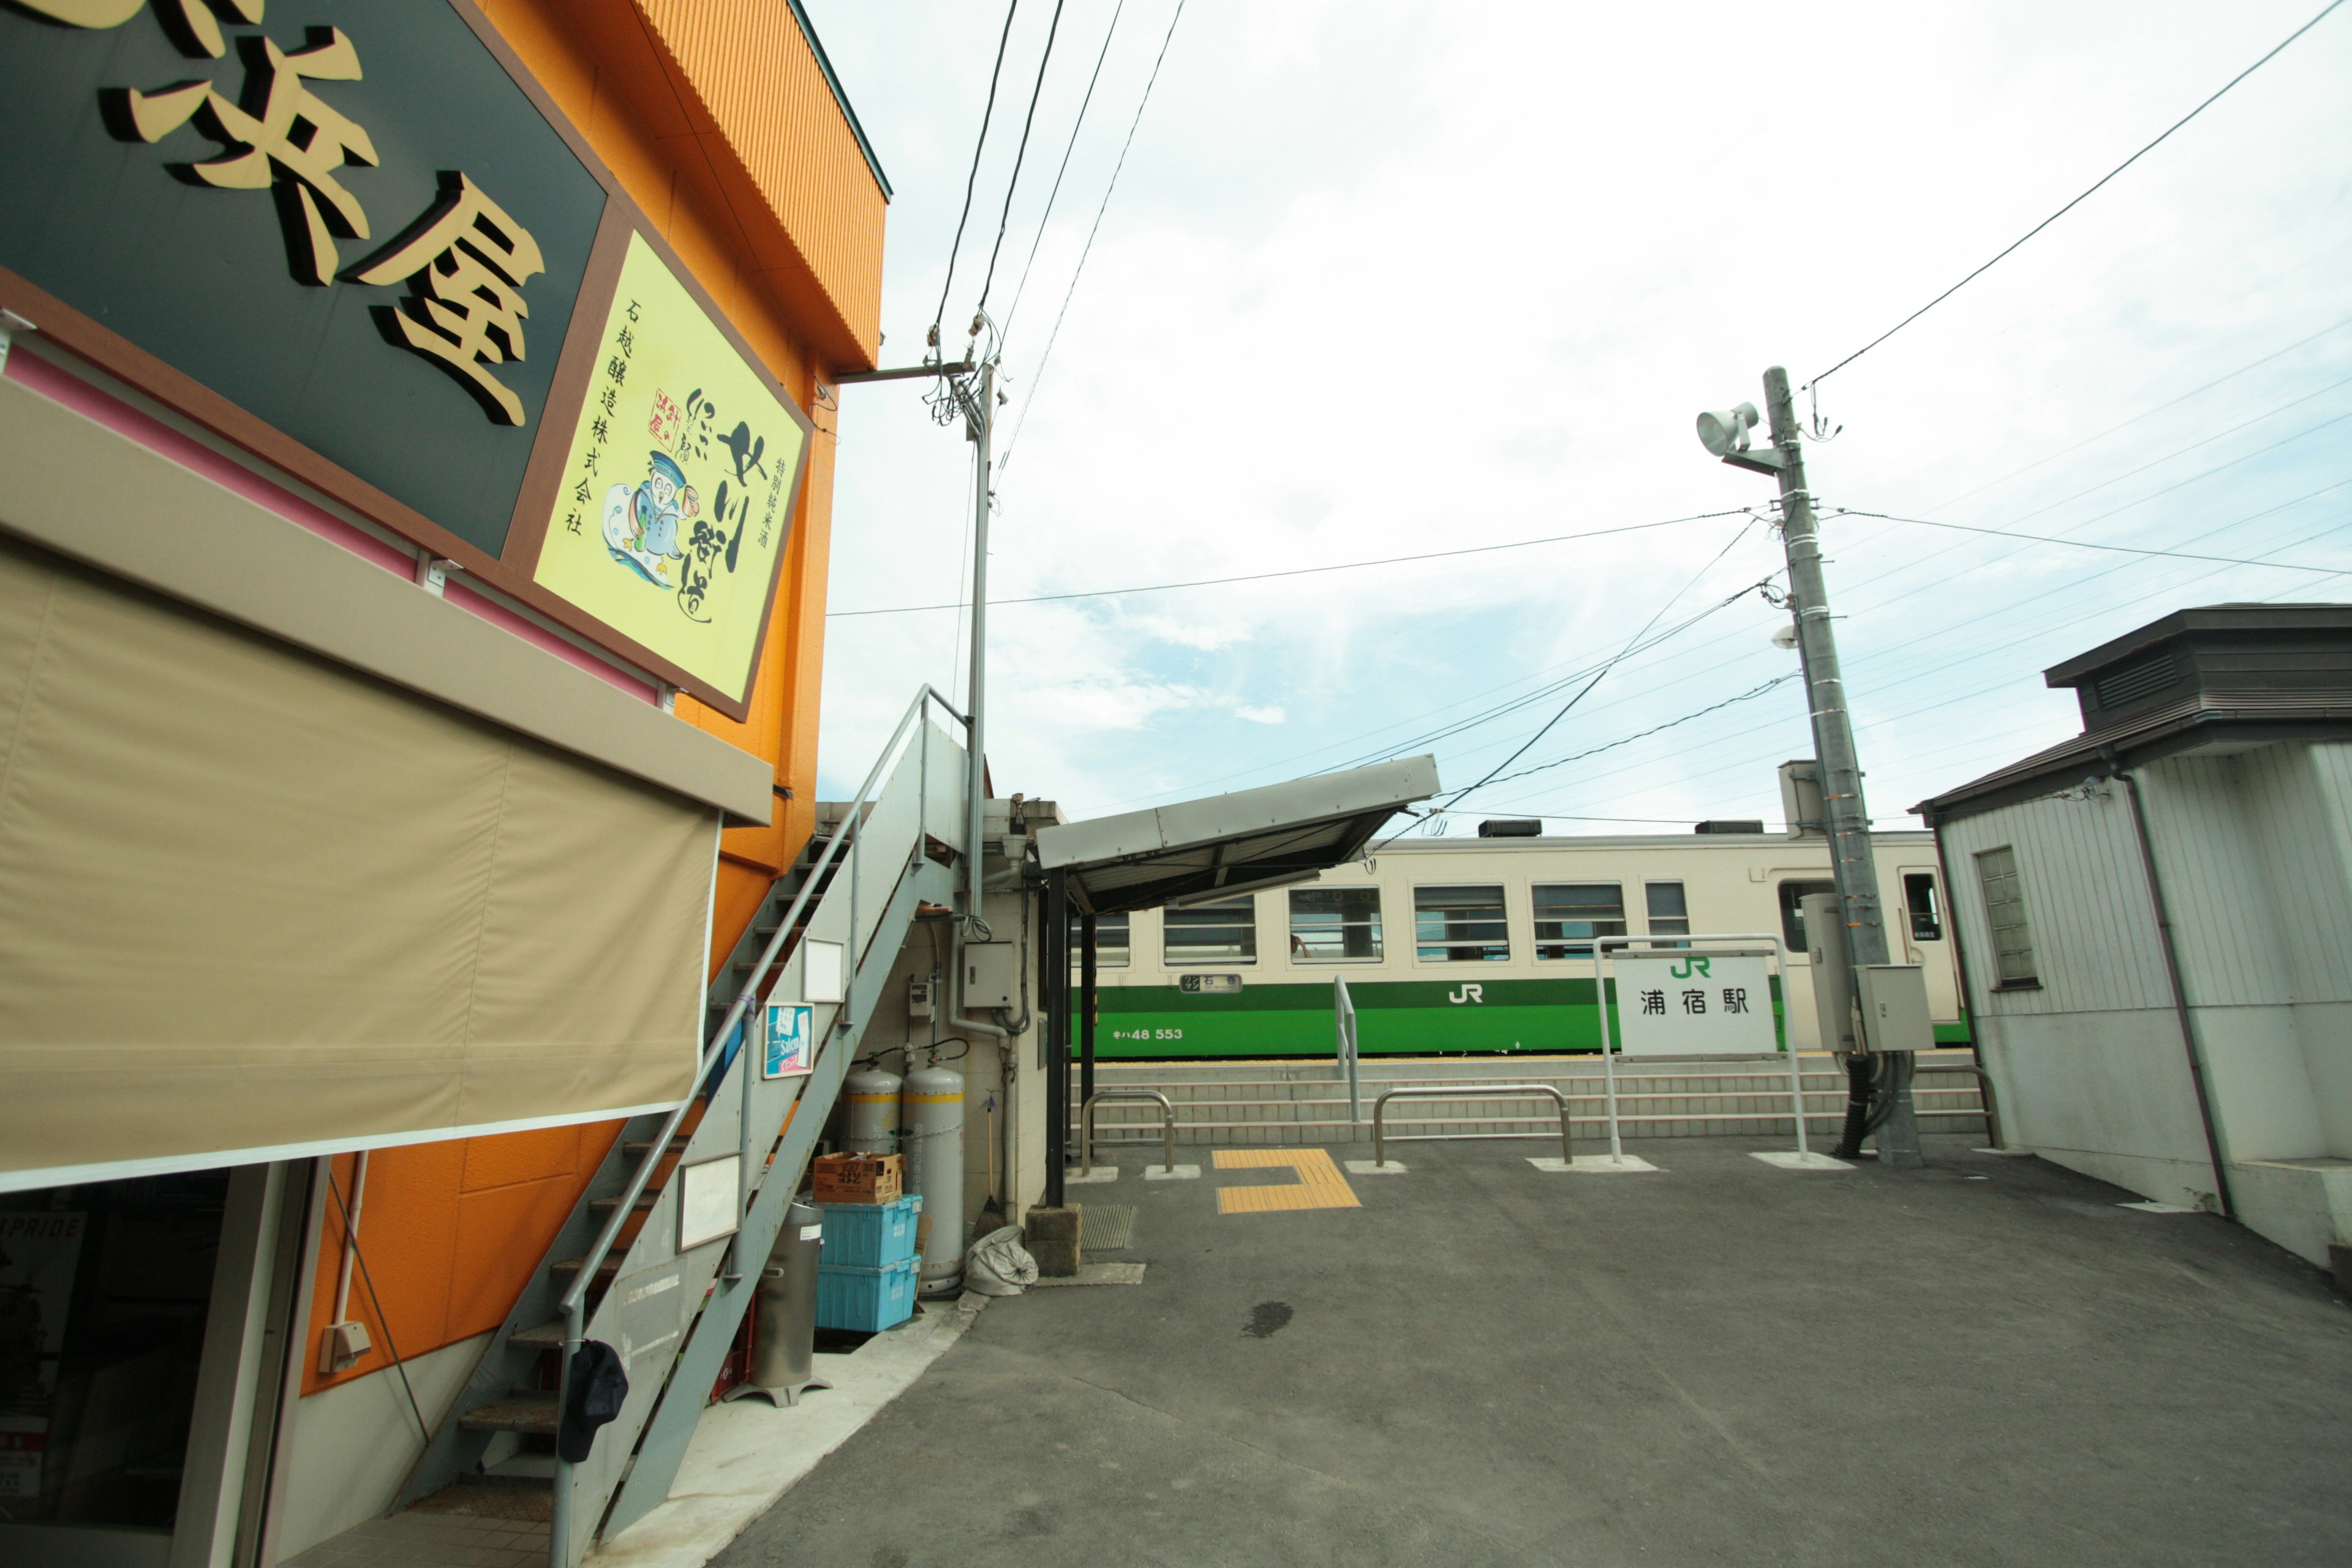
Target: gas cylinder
x,y
933,1118
873,1097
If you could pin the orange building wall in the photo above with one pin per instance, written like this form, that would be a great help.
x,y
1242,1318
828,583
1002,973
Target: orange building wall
x,y
717,121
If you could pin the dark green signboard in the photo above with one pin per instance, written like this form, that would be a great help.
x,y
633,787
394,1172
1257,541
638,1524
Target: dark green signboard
x,y
347,219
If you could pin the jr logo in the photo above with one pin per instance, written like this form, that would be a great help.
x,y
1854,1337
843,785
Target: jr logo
x,y
1690,966
1470,992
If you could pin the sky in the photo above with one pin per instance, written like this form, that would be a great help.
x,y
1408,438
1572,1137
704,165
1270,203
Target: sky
x,y
1387,279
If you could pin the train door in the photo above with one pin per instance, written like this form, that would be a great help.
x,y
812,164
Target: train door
x,y
1923,924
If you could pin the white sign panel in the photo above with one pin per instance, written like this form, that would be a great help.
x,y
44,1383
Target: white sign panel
x,y
821,971
710,1198
1687,1003
790,1047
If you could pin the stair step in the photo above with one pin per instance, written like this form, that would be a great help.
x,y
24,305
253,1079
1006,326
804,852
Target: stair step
x,y
520,1470
515,1412
644,1204
606,1271
637,1148
546,1336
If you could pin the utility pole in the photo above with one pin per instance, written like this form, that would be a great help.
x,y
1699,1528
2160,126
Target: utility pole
x,y
979,423
1854,865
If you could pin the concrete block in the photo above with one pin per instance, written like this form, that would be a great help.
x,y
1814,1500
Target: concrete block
x,y
1086,1178
1375,1168
1052,1238
1591,1164
1171,1173
1791,1161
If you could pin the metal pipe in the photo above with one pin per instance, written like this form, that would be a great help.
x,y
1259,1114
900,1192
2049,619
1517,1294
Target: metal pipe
x,y
1054,961
1086,1125
351,1240
1086,1007
1480,1091
2180,990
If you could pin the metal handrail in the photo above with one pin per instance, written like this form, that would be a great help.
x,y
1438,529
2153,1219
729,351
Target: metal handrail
x,y
1474,1091
1086,1125
573,1302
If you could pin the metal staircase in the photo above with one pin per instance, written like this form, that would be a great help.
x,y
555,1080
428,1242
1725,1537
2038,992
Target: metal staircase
x,y
615,1272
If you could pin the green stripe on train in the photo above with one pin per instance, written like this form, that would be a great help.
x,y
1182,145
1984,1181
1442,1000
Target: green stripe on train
x,y
1398,1017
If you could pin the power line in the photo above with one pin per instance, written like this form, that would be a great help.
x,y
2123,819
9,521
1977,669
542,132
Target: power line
x,y
1020,156
1600,674
1055,335
2086,544
2078,201
973,179
1300,571
1071,146
1747,695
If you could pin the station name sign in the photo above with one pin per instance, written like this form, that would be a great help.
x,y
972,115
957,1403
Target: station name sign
x,y
356,239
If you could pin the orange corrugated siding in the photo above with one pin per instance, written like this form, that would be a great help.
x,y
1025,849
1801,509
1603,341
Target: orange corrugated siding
x,y
763,100
718,123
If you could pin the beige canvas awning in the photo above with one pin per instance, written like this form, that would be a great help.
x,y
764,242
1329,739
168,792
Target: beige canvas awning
x,y
254,904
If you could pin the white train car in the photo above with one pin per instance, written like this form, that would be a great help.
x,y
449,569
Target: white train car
x,y
1484,945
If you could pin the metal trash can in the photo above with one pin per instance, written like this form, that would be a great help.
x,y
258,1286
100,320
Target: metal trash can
x,y
784,1329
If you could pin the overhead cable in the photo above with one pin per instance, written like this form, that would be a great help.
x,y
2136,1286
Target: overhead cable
x,y
1586,689
1300,571
2079,200
1054,336
1071,146
2086,544
973,179
1020,156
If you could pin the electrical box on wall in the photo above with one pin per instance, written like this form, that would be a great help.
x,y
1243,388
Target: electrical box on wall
x,y
919,997
1894,1008
992,977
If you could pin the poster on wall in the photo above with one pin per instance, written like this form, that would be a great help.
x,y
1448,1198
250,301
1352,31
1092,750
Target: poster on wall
x,y
675,500
39,1251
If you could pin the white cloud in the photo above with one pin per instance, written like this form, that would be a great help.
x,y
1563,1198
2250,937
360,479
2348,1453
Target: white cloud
x,y
1382,280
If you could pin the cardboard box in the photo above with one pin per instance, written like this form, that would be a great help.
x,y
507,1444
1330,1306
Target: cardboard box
x,y
858,1178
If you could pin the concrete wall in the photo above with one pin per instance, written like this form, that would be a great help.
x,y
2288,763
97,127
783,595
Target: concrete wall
x,y
354,1443
2255,853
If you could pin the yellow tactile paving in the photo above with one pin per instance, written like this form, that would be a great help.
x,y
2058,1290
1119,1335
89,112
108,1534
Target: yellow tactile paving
x,y
1319,1185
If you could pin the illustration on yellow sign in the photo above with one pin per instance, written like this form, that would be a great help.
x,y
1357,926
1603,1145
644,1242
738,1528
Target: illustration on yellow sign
x,y
676,498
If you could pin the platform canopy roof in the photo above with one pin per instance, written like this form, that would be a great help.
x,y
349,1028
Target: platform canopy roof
x,y
1227,845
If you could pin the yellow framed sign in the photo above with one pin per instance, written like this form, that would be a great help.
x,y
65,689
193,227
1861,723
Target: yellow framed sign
x,y
674,507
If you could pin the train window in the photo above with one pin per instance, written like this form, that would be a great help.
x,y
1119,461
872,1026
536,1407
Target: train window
x,y
1333,925
1573,910
1111,949
1222,933
1792,913
1669,912
2013,938
1460,924
1927,915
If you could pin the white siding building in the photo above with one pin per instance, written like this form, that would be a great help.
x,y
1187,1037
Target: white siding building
x,y
2212,788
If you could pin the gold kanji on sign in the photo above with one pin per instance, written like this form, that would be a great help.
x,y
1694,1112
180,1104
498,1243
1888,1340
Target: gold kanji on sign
x,y
470,260
296,133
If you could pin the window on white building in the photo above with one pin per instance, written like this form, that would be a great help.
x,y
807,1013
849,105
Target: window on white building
x,y
2013,938
1222,933
1335,925
1569,915
1669,912
1111,949
1460,924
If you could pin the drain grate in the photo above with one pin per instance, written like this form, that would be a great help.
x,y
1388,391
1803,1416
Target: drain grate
x,y
1108,1228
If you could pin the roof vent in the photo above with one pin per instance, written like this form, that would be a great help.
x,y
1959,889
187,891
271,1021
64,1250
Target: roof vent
x,y
1731,825
1510,827
2131,682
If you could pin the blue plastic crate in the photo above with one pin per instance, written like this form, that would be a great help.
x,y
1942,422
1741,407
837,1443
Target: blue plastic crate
x,y
870,1236
870,1299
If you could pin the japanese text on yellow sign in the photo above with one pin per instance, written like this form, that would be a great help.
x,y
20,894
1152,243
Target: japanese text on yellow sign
x,y
676,495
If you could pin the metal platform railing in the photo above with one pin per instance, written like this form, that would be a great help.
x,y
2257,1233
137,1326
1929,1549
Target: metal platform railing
x,y
1086,1125
1466,1092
